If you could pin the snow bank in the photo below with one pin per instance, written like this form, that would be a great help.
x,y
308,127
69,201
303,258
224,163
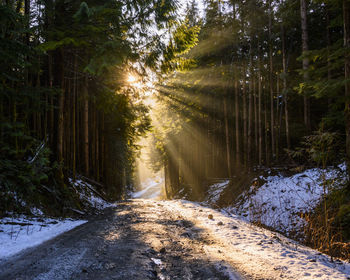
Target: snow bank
x,y
214,192
88,195
257,252
280,200
17,234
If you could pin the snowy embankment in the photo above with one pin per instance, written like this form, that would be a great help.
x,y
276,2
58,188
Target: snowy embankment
x,y
21,232
17,234
279,201
214,192
89,196
255,251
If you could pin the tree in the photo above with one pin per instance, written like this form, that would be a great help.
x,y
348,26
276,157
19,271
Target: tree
x,y
346,19
305,48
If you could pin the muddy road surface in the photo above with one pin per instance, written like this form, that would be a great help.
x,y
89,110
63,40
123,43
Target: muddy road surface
x,y
139,239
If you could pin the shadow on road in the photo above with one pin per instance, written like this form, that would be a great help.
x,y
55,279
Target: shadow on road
x,y
135,240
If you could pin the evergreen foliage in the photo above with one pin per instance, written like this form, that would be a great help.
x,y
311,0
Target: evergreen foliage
x,y
66,106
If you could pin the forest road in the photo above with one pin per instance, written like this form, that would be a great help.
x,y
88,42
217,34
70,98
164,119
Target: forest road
x,y
138,239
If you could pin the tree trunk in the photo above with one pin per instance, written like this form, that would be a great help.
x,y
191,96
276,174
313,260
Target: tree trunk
x,y
86,126
250,107
305,48
256,136
74,118
167,181
250,123
278,118
60,124
102,151
271,84
346,16
51,108
285,92
259,114
245,122
238,158
267,154
228,158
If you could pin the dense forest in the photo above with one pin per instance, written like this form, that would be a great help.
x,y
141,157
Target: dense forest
x,y
67,108
238,87
266,85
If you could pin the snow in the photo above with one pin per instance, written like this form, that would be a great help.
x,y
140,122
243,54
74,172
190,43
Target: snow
x,y
88,196
260,252
279,202
151,188
17,234
157,261
214,192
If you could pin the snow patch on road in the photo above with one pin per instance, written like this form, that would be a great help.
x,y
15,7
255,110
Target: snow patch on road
x,y
260,252
151,188
17,234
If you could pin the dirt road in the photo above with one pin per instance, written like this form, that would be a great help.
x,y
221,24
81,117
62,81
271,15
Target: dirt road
x,y
138,239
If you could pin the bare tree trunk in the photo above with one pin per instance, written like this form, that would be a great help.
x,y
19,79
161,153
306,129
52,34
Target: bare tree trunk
x,y
93,139
250,107
207,163
51,109
238,158
60,124
267,155
67,127
167,181
329,43
256,136
285,92
86,126
228,157
305,48
346,17
245,122
103,150
97,147
271,84
250,111
27,14
74,118
259,114
278,118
